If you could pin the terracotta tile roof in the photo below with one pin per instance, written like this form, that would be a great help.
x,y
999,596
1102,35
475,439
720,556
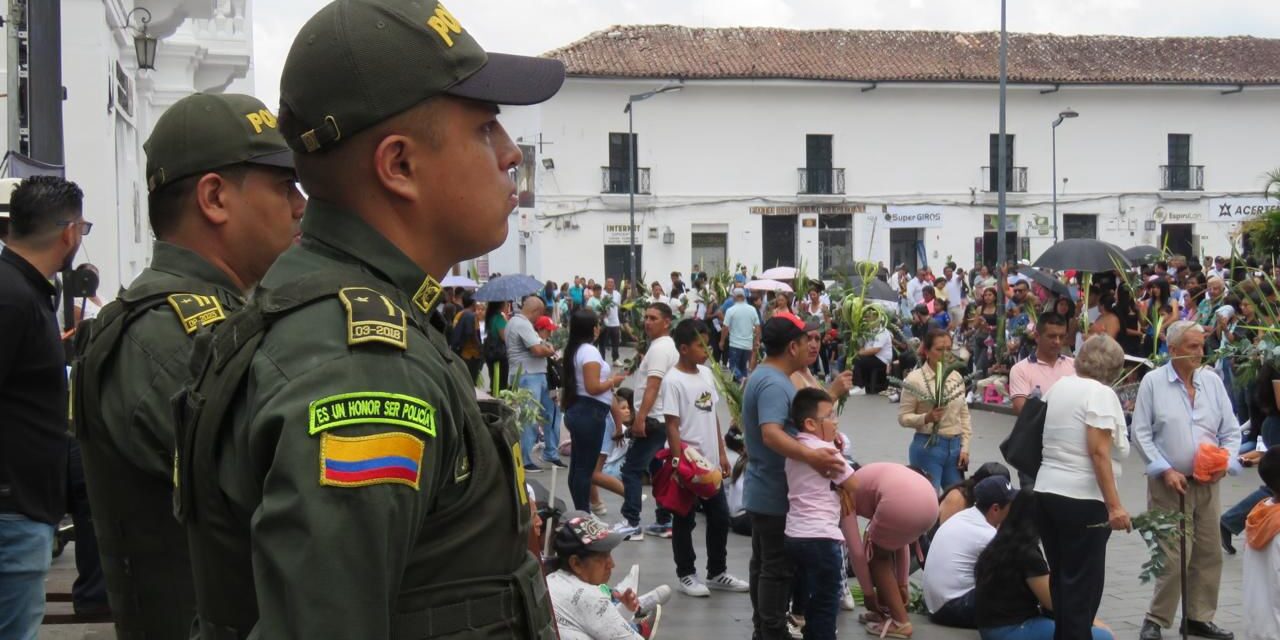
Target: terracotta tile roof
x,y
666,51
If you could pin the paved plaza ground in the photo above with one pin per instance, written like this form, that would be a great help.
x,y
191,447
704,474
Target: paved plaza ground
x,y
872,424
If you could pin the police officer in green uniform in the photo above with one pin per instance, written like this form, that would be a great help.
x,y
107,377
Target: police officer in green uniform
x,y
223,205
337,475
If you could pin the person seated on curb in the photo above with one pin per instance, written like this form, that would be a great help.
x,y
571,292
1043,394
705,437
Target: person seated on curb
x,y
948,571
579,586
959,497
1011,581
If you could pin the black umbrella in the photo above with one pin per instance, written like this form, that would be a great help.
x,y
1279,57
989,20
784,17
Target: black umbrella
x,y
1083,254
1143,254
1045,280
877,289
507,288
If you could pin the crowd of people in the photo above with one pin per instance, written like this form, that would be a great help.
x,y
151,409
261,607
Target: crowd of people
x,y
1150,372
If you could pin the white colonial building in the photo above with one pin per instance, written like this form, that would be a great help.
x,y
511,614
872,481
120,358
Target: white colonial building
x,y
825,147
110,106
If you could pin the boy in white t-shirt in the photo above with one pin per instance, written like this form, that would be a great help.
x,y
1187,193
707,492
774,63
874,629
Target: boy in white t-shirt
x,y
814,537
1262,556
690,400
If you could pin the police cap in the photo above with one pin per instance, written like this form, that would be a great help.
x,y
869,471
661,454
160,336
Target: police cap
x,y
356,63
207,131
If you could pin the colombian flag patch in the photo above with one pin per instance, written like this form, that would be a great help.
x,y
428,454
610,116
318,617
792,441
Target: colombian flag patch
x,y
384,458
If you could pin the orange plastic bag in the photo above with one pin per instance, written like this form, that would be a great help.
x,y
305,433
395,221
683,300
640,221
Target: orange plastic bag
x,y
1210,460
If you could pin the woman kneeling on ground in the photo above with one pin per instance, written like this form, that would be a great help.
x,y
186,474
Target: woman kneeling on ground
x,y
1012,581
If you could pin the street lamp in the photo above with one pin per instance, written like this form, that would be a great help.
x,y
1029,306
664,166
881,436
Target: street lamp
x,y
1069,113
631,169
144,46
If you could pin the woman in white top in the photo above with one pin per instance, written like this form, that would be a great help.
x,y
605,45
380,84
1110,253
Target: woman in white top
x,y
584,604
1084,437
587,398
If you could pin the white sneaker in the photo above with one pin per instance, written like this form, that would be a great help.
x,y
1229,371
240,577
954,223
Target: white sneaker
x,y
659,595
846,601
599,509
857,391
726,582
692,585
629,532
895,397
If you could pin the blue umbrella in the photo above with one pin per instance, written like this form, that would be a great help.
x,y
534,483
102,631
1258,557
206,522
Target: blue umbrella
x,y
508,287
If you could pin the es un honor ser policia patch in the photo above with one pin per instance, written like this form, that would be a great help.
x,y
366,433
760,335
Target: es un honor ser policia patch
x,y
392,457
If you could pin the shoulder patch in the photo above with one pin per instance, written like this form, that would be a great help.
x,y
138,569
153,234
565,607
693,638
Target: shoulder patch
x,y
196,311
383,458
371,407
428,294
372,317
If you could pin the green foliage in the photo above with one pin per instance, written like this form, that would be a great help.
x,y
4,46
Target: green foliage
x,y
941,391
729,390
527,407
1158,528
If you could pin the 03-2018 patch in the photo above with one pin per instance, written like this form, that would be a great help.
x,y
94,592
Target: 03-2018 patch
x,y
371,407
372,317
196,311
383,458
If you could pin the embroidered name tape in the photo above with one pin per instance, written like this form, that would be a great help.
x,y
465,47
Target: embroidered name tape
x,y
372,317
196,311
371,407
384,458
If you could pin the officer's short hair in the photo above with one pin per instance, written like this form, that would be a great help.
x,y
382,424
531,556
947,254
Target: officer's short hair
x,y
325,171
40,204
167,205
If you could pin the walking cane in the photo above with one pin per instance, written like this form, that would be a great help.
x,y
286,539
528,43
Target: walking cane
x,y
1182,557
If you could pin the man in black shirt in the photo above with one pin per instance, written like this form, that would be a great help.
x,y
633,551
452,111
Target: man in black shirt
x,y
46,225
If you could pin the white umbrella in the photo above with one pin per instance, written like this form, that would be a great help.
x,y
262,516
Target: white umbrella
x,y
452,281
769,285
779,273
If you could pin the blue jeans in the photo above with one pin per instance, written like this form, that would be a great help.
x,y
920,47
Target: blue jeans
x,y
585,420
941,461
822,574
639,460
1038,628
26,549
739,359
1233,518
536,383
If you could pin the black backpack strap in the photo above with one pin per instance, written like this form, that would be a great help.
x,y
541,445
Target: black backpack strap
x,y
97,339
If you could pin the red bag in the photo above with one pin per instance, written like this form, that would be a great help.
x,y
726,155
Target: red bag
x,y
696,477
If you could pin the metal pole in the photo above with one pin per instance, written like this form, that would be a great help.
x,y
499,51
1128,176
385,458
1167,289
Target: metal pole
x,y
631,190
1182,556
1054,129
1003,161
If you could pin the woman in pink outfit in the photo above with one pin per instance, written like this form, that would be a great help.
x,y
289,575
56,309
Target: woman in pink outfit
x,y
901,505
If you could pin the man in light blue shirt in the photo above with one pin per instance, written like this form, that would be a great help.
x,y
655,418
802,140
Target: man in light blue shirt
x,y
1181,406
743,335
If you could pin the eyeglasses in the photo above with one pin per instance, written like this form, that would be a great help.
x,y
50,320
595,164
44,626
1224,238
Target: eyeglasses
x,y
83,225
830,417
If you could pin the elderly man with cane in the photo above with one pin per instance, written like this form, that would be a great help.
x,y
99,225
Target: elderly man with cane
x,y
1181,407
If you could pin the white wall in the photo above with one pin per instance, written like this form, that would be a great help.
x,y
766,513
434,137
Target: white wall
x,y
717,148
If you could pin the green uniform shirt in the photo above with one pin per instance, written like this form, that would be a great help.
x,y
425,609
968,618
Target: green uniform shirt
x,y
128,453
370,484
151,365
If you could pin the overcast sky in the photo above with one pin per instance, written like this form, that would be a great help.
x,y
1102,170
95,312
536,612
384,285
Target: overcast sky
x,y
536,26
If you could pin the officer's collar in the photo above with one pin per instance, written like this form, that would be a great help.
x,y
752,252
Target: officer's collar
x,y
183,262
344,231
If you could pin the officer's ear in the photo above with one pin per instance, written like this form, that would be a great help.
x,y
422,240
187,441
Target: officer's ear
x,y
215,194
396,162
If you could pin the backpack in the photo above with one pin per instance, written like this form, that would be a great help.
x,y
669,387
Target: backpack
x,y
495,348
1025,445
96,340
